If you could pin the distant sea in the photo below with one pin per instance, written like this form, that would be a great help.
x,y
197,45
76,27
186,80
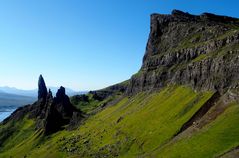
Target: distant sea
x,y
6,111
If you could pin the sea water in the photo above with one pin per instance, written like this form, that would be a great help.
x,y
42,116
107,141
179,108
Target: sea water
x,y
5,112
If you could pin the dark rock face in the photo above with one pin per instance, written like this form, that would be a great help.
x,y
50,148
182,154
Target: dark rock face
x,y
42,90
51,113
63,104
200,51
59,112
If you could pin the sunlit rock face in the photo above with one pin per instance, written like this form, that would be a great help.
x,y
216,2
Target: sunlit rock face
x,y
200,51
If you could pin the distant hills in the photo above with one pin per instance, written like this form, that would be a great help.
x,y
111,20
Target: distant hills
x,y
14,100
33,92
11,96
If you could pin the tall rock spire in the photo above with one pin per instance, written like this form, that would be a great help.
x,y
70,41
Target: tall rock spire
x,y
42,90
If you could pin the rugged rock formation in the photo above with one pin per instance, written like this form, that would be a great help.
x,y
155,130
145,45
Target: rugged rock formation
x,y
42,90
63,104
60,112
200,51
50,113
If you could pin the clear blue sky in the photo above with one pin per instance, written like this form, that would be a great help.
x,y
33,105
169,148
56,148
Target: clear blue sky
x,y
82,44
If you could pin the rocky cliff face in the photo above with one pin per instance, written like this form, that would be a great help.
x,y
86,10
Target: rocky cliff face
x,y
200,51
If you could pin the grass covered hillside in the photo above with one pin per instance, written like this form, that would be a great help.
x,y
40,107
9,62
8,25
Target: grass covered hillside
x,y
145,125
135,126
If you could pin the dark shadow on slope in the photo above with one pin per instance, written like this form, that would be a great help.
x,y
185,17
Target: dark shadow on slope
x,y
201,112
230,153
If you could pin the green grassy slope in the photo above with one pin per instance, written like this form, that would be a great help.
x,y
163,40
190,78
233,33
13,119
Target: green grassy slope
x,y
91,104
16,133
134,126
212,140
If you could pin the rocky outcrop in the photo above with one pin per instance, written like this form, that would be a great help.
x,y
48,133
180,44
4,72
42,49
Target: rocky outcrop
x,y
200,51
60,112
51,113
63,104
42,90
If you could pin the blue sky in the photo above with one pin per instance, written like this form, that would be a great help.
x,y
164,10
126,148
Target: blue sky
x,y
82,44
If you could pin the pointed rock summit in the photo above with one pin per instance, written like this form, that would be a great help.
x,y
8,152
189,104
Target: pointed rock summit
x,y
61,92
63,104
53,113
42,90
